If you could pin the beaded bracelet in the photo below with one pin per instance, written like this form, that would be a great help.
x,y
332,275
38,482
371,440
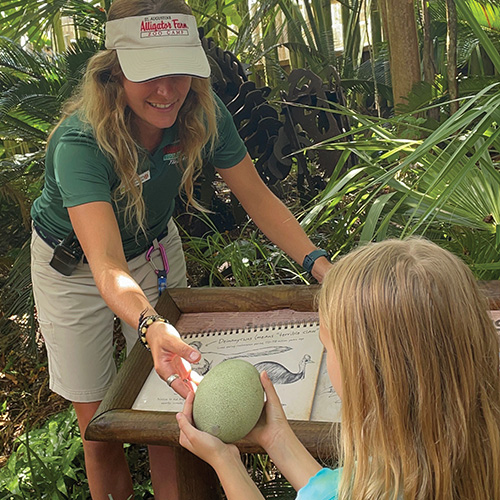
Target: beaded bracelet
x,y
144,323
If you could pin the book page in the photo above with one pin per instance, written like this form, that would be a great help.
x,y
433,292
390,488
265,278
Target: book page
x,y
326,406
290,353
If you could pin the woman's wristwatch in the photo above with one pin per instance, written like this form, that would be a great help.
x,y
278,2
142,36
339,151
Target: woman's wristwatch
x,y
311,258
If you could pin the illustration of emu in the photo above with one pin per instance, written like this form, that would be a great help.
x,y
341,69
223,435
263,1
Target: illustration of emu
x,y
282,375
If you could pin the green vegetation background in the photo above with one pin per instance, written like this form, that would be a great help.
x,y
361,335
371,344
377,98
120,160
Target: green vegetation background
x,y
423,168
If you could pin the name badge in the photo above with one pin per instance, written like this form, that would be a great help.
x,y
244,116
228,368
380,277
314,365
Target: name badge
x,y
145,176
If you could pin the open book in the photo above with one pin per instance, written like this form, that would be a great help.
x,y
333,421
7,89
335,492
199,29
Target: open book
x,y
290,352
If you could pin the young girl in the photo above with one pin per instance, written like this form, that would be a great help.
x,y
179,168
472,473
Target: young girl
x,y
414,355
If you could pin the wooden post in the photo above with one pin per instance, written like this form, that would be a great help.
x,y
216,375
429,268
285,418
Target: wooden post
x,y
196,479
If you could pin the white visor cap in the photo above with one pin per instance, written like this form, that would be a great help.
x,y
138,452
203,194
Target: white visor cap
x,y
157,45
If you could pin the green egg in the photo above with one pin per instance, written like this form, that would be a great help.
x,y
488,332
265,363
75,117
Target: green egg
x,y
229,400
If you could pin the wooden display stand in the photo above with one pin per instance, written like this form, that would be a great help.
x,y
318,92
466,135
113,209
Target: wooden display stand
x,y
115,420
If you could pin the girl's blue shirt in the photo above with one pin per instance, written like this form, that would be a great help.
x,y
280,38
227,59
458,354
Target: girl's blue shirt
x,y
323,486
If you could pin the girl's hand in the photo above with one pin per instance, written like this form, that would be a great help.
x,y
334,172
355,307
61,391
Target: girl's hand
x,y
202,444
172,355
272,425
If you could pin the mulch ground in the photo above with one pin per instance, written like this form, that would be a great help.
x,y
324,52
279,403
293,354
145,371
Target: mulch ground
x,y
26,399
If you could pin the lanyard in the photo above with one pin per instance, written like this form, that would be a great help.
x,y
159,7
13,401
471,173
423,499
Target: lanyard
x,y
160,273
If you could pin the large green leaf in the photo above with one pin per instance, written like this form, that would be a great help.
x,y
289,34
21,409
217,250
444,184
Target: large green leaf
x,y
487,14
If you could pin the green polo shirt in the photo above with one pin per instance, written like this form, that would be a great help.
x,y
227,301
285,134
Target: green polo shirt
x,y
78,172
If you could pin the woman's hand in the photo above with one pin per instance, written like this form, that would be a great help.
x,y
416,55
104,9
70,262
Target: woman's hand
x,y
171,355
202,444
270,214
272,425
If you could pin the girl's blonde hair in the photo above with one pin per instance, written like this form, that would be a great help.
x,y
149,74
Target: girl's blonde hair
x,y
419,362
100,102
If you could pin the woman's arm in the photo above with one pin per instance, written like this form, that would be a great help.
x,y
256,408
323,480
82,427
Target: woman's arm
x,y
97,230
270,214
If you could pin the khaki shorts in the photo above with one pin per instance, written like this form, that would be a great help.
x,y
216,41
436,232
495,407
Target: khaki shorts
x,y
76,323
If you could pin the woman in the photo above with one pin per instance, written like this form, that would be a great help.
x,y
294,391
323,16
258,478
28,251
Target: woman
x,y
136,132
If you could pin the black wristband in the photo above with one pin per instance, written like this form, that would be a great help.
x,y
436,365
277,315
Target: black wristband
x,y
311,258
144,323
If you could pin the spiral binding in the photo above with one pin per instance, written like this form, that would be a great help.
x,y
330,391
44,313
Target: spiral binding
x,y
269,327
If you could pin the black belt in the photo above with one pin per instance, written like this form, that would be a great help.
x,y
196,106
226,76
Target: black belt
x,y
53,241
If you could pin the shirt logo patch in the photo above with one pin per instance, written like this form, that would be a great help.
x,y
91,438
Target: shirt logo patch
x,y
145,176
171,153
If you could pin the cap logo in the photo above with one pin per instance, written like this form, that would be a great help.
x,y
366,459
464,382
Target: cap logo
x,y
163,26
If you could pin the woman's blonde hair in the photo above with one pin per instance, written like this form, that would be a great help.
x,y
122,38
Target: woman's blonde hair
x,y
100,102
419,362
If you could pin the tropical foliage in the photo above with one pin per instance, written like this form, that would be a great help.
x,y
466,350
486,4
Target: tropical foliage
x,y
444,186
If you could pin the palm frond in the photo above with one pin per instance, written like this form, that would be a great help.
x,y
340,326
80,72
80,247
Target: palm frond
x,y
445,183
21,63
29,165
34,18
465,11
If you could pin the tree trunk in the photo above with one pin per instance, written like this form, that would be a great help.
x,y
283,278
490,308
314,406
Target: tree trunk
x,y
451,51
428,62
427,53
401,29
375,42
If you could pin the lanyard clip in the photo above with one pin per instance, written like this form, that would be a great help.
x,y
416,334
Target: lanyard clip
x,y
160,273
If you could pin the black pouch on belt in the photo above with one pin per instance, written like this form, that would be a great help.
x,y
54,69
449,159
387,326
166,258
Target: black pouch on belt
x,y
67,254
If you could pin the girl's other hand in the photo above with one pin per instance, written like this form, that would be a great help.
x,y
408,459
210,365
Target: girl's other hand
x,y
272,425
202,444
